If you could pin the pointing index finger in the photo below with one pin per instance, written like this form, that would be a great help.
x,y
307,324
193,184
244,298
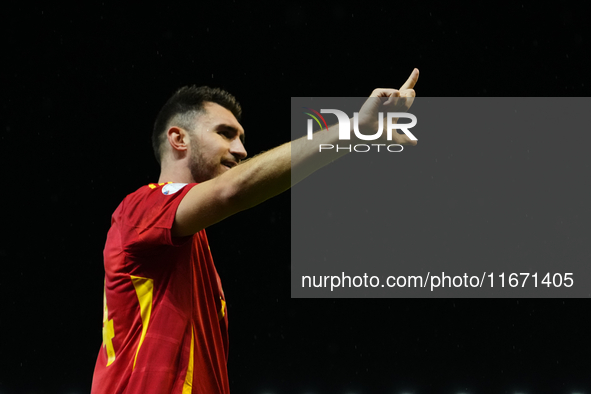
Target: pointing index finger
x,y
412,80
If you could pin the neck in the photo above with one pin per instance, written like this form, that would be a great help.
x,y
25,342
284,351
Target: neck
x,y
175,173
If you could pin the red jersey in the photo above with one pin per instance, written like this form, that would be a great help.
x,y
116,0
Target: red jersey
x,y
165,326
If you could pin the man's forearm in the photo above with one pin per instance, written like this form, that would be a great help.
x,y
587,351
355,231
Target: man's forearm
x,y
275,171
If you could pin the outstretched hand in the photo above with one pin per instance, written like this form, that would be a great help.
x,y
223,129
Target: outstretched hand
x,y
389,100
406,91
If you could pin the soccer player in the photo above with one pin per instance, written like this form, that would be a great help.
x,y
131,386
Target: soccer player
x,y
165,323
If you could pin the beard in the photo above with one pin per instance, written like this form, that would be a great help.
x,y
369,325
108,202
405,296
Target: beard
x,y
202,168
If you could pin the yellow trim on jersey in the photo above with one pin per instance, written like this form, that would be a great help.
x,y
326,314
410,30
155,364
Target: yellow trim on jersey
x,y
108,330
188,385
154,186
222,311
144,288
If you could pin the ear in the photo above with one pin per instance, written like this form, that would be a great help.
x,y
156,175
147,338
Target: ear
x,y
178,139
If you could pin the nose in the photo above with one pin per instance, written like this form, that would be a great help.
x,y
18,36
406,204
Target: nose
x,y
237,149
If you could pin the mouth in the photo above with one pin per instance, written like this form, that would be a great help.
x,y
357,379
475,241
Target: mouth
x,y
229,164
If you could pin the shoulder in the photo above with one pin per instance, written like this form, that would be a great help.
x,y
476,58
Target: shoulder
x,y
146,216
153,197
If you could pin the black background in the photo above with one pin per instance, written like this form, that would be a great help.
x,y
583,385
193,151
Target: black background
x,y
81,87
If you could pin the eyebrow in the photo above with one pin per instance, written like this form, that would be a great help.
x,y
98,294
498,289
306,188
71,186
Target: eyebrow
x,y
223,127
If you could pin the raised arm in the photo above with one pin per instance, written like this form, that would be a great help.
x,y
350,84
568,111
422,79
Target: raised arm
x,y
270,173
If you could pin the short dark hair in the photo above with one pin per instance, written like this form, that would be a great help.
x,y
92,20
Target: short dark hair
x,y
182,108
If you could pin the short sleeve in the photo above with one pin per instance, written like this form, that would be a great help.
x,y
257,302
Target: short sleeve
x,y
146,216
